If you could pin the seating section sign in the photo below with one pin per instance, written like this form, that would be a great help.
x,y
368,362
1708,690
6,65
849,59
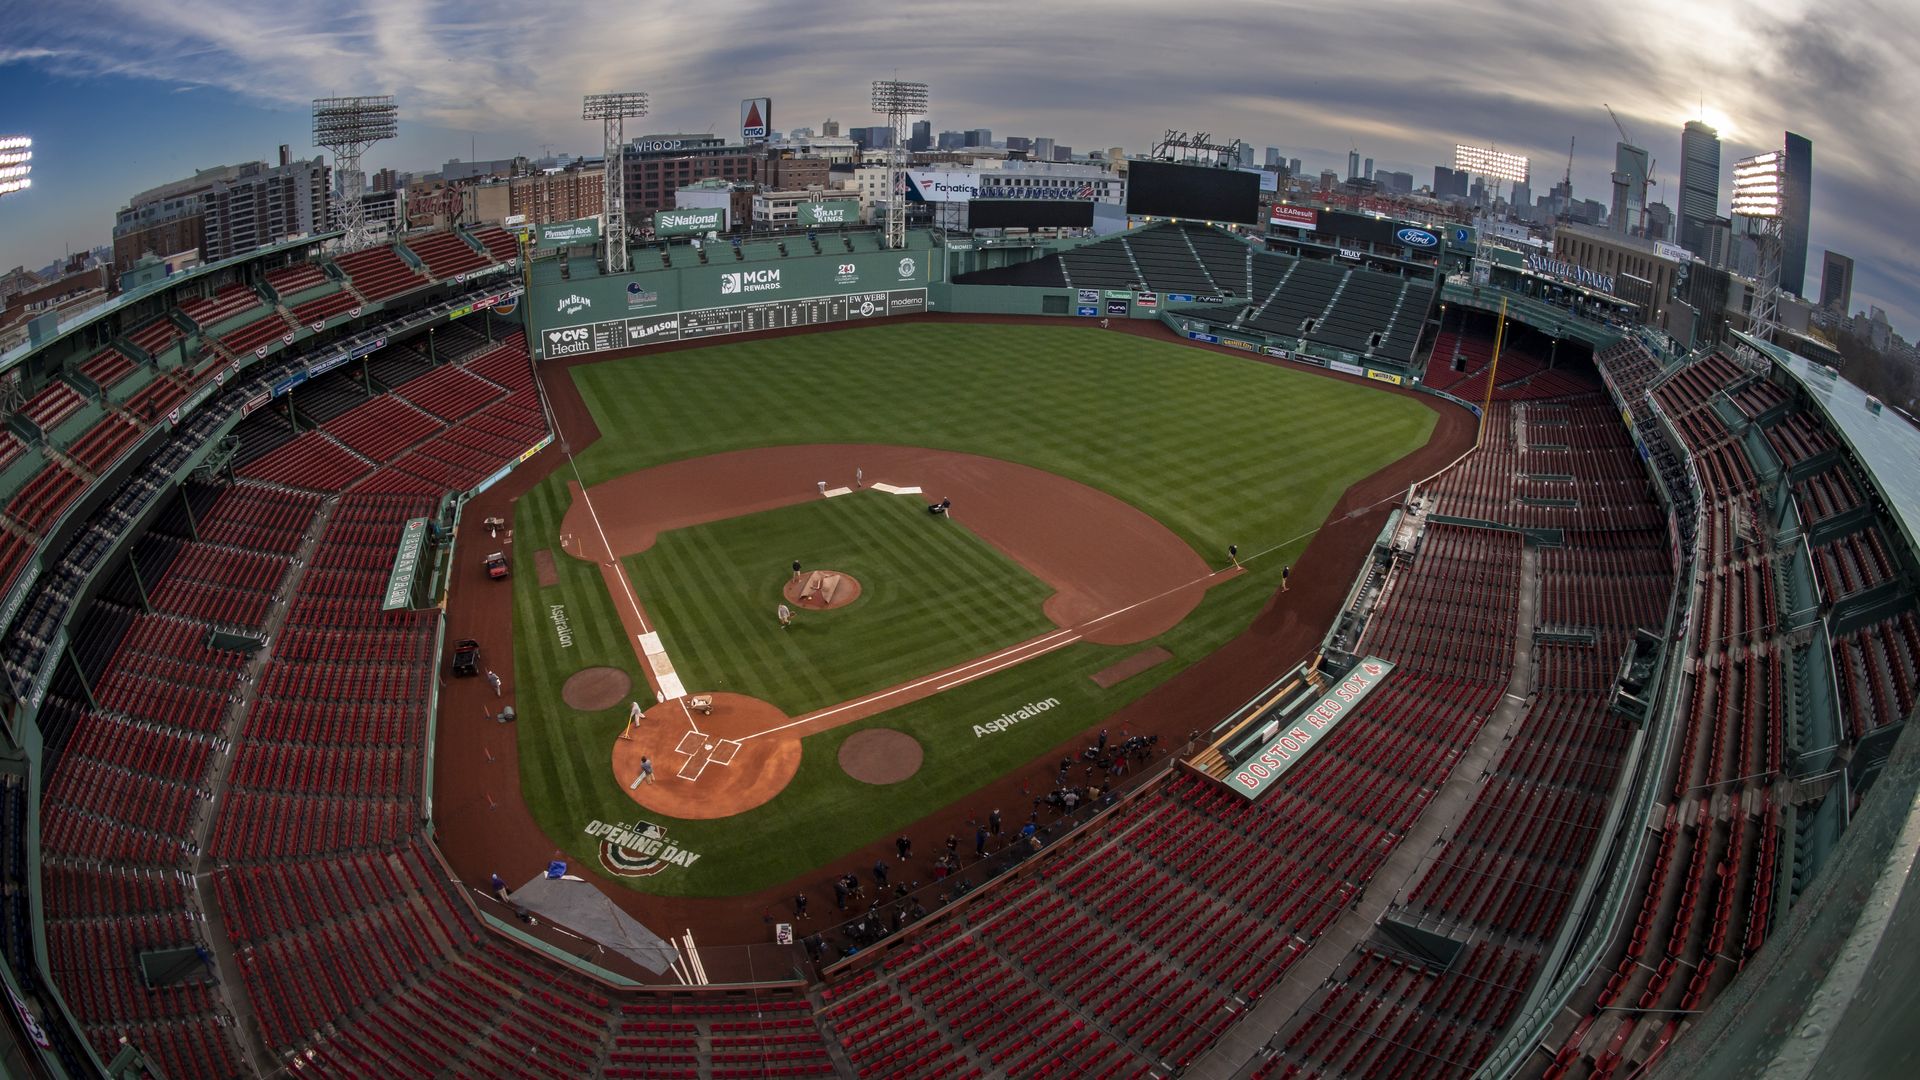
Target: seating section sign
x,y
1292,740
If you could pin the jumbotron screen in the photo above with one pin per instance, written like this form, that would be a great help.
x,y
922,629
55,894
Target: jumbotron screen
x,y
1163,189
1029,214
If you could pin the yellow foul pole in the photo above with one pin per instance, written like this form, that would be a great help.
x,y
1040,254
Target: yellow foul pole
x,y
1493,373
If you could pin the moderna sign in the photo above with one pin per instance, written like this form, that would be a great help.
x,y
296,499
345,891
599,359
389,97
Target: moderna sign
x,y
1292,740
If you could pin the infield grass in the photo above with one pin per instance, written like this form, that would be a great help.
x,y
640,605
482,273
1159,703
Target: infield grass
x,y
1221,449
932,595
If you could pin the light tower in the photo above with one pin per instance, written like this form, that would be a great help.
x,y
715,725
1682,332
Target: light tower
x,y
898,102
1759,186
612,110
16,157
348,126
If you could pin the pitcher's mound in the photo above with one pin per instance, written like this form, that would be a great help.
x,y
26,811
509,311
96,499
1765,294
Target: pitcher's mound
x,y
595,688
820,590
880,756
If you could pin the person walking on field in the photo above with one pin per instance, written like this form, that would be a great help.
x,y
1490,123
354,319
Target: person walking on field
x,y
493,680
1285,572
993,822
786,616
796,569
859,476
904,846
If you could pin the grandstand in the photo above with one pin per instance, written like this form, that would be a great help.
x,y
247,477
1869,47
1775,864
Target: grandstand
x,y
1702,618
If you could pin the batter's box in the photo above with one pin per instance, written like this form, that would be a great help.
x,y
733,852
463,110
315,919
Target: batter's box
x,y
691,744
724,750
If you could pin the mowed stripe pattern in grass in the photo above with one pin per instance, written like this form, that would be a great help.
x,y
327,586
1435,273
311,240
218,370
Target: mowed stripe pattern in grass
x,y
932,595
1222,449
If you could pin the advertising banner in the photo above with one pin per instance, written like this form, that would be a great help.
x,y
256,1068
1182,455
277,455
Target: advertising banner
x,y
559,234
756,119
936,185
1147,299
832,212
1089,296
1350,369
694,221
1385,377
1116,307
1296,217
1087,309
1179,298
1288,743
405,562
1672,252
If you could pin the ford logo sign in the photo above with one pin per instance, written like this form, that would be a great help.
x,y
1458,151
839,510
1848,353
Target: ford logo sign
x,y
1417,238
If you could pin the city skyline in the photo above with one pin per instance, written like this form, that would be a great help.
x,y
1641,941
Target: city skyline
x,y
120,97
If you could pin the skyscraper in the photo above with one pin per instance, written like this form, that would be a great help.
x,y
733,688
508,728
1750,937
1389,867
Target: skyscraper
x,y
1366,171
1353,164
1796,195
1293,166
1699,185
922,137
1836,282
1273,159
1630,164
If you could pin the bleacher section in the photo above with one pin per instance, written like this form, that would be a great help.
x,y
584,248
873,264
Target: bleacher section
x,y
446,429
377,273
107,367
1462,364
498,242
445,254
297,278
231,302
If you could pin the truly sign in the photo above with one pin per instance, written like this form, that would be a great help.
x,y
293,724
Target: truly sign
x,y
1293,739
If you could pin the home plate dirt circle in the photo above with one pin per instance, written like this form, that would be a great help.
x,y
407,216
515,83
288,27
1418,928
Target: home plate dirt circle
x,y
822,590
880,756
595,688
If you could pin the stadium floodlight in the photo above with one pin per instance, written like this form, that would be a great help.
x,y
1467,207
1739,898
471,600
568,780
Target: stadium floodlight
x,y
612,110
1759,185
1490,163
16,161
1759,194
348,126
898,101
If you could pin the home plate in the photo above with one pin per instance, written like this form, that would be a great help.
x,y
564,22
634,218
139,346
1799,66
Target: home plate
x,y
891,490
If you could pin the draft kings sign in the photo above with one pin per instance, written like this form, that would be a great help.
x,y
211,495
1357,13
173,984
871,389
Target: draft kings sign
x,y
1309,728
637,850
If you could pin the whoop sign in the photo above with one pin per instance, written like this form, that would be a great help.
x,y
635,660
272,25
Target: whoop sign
x,y
1290,741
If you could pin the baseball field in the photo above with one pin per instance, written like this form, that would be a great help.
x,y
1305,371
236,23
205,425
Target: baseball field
x,y
1097,480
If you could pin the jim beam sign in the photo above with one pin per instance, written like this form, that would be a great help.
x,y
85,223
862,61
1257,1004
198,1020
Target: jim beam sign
x,y
637,850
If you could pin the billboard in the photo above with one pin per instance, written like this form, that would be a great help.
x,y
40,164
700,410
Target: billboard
x,y
1029,214
942,185
559,234
1283,745
1164,189
1296,217
830,212
693,221
748,318
756,119
1672,252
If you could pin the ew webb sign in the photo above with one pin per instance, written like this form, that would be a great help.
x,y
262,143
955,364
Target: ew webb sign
x,y
1307,730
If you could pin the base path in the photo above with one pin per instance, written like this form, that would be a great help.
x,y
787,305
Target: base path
x,y
1118,575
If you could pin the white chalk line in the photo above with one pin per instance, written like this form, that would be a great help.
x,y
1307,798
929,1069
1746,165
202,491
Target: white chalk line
x,y
904,687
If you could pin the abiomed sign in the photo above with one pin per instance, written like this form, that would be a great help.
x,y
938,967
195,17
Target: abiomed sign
x,y
400,581
1288,745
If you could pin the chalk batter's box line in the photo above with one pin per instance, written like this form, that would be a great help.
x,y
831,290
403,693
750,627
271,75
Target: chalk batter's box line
x,y
691,743
727,747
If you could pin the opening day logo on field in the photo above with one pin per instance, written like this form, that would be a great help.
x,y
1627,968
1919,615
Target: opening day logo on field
x,y
574,304
637,850
1007,719
746,281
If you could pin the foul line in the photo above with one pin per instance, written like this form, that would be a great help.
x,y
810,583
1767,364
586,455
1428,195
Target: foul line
x,y
917,683
1009,663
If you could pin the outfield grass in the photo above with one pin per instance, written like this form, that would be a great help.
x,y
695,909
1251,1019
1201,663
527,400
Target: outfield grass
x,y
932,595
1221,449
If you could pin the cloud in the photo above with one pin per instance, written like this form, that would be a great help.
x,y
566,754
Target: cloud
x,y
1401,79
